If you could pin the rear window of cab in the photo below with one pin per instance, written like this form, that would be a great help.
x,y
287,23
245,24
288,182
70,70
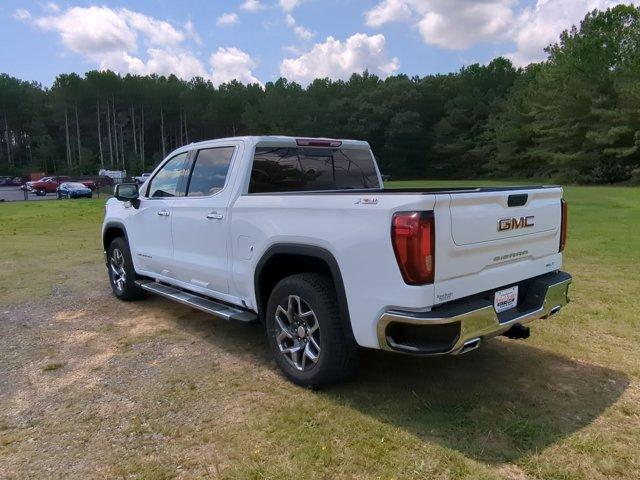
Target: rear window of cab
x,y
299,169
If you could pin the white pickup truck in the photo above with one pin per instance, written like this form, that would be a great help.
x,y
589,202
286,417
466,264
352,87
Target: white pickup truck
x,y
301,235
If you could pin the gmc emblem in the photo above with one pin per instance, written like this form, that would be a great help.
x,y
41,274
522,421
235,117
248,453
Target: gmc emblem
x,y
515,223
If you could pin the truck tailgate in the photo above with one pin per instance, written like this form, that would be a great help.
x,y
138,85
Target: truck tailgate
x,y
489,239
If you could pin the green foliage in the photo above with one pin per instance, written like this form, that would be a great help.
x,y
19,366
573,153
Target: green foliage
x,y
574,117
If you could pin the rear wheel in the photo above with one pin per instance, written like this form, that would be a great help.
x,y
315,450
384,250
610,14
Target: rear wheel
x,y
305,331
122,275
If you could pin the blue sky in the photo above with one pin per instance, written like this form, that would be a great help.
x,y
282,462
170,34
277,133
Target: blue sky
x,y
260,40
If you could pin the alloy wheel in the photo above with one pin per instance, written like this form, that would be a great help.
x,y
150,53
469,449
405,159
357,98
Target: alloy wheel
x,y
298,333
118,273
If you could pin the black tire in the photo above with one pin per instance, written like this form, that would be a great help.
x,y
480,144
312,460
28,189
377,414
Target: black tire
x,y
337,355
126,289
41,193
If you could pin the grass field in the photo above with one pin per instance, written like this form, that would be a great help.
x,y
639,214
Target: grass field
x,y
91,387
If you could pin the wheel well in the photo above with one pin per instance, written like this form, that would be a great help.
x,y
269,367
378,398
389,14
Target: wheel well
x,y
285,260
110,234
282,265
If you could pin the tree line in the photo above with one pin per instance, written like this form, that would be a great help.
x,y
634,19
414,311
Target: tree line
x,y
572,118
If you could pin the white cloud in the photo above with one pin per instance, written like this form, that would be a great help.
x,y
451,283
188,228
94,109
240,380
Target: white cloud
x,y
251,5
21,14
52,7
190,32
120,61
299,30
110,38
92,31
289,5
450,24
336,59
161,61
157,32
460,24
232,64
227,19
538,26
387,11
292,50
181,64
303,33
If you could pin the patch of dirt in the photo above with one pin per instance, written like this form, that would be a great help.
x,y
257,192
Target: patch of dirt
x,y
93,387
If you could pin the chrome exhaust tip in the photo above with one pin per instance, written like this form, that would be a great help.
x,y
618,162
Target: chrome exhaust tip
x,y
554,310
470,345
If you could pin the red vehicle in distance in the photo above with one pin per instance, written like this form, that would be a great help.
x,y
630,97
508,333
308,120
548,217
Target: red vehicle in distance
x,y
51,184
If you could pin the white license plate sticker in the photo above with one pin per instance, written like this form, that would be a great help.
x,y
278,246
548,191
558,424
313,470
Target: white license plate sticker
x,y
505,299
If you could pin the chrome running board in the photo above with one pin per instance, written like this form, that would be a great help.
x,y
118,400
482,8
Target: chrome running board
x,y
218,309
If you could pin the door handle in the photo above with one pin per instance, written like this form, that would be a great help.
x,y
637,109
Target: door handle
x,y
163,213
215,216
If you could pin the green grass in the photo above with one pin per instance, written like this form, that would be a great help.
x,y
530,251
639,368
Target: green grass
x,y
565,404
44,246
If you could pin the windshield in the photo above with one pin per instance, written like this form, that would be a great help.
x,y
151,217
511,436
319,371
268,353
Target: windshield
x,y
288,169
74,185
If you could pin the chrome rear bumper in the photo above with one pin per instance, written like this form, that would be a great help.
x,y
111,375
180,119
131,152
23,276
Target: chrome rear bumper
x,y
459,326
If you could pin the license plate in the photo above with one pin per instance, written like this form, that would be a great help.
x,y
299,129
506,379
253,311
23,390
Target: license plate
x,y
505,299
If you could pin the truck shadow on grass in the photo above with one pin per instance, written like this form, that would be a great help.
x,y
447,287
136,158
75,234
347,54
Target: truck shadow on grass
x,y
496,404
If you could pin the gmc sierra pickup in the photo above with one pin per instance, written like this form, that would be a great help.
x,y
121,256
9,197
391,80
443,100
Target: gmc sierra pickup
x,y
301,235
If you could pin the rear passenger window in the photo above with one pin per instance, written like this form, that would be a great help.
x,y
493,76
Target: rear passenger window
x,y
209,171
165,183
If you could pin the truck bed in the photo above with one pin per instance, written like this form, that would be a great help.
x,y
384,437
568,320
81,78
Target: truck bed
x,y
472,252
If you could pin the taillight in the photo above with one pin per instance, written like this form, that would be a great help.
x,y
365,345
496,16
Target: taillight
x,y
413,237
563,224
312,142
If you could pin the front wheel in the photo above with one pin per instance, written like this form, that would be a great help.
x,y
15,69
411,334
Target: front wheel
x,y
306,334
122,275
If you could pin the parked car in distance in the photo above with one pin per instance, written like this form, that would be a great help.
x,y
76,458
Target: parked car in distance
x,y
301,235
29,185
10,181
116,176
90,184
141,178
48,185
74,190
51,184
102,181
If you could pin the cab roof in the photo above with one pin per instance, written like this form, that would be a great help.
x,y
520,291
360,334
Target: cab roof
x,y
279,140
